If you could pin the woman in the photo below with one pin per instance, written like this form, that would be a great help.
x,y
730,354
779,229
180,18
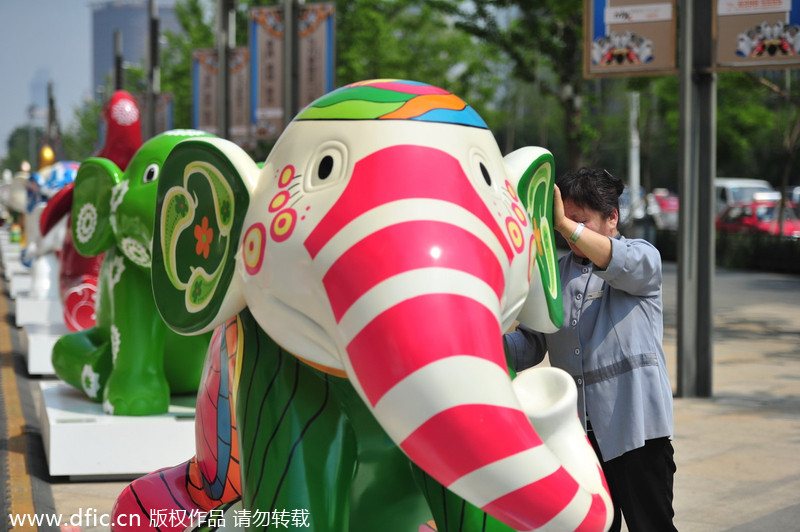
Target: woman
x,y
611,344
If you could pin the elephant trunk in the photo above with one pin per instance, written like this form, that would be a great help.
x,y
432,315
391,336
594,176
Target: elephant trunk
x,y
418,301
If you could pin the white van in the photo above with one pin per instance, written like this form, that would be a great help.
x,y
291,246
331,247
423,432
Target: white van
x,y
729,190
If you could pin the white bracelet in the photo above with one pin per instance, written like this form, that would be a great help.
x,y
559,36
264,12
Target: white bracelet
x,y
577,234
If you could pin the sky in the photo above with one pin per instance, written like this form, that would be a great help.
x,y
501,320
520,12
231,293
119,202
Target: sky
x,y
43,41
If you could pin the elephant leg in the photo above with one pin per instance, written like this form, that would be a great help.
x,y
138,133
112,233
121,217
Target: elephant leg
x,y
451,512
137,385
298,452
183,360
83,360
174,498
385,495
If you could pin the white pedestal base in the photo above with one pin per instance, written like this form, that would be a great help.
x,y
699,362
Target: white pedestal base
x,y
20,282
79,440
30,311
40,347
13,266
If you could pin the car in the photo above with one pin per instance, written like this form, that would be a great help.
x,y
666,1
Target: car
x,y
730,190
759,216
666,215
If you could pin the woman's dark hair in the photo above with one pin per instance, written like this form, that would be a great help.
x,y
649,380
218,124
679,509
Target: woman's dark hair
x,y
592,188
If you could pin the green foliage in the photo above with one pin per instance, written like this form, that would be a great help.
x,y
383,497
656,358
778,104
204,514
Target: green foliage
x,y
542,39
23,145
80,140
744,126
519,64
176,57
412,40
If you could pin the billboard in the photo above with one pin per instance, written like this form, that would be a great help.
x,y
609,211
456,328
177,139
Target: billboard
x,y
316,51
629,37
757,34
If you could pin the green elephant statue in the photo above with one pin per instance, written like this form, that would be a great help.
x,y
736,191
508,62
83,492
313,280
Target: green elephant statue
x,y
130,360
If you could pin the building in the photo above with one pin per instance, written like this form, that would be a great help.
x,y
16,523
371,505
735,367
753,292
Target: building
x,y
132,18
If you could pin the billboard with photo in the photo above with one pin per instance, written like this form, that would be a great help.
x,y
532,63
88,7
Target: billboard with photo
x,y
629,37
757,34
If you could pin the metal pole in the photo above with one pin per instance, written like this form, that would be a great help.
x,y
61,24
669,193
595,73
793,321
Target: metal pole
x,y
153,73
634,160
290,61
696,255
226,39
118,59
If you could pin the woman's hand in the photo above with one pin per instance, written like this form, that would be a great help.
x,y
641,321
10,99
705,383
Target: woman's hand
x,y
558,211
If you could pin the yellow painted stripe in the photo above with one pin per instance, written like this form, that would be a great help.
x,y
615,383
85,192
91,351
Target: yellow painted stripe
x,y
20,489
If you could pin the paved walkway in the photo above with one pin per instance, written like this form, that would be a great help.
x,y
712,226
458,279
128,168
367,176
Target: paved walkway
x,y
738,453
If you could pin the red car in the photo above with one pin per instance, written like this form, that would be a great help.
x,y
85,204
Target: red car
x,y
759,216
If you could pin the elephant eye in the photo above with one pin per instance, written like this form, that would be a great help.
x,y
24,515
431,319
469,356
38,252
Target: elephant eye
x,y
326,167
485,174
150,173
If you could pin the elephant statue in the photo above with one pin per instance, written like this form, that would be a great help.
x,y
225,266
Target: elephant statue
x,y
369,269
130,360
78,274
39,253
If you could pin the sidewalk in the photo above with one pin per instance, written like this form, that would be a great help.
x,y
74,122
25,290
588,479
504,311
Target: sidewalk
x,y
738,453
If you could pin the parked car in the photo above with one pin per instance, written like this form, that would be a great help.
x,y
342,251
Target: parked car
x,y
759,216
666,215
730,190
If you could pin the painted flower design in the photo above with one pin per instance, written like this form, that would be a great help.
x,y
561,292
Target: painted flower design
x,y
86,224
117,267
181,206
137,252
197,290
115,342
125,112
118,194
90,380
204,235
225,211
108,408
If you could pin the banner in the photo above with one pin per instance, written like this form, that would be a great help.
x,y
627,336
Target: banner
x,y
204,83
164,110
629,37
204,90
316,51
757,34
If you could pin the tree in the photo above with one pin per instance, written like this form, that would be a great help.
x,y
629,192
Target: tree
x,y
23,144
81,138
176,56
543,40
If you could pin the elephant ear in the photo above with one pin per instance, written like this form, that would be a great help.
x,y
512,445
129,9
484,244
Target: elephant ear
x,y
91,206
203,194
533,168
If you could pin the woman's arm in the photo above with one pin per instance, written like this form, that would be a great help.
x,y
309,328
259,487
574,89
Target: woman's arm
x,y
524,347
595,246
